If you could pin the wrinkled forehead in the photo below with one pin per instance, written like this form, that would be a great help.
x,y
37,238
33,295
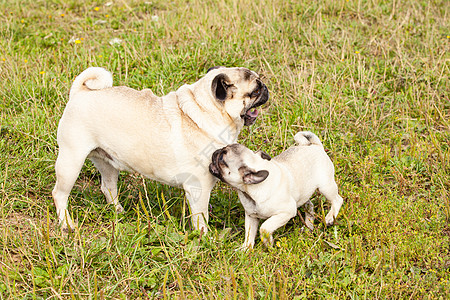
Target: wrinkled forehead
x,y
238,150
236,74
243,74
235,149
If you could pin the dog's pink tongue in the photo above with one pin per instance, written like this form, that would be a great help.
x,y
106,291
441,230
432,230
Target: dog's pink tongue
x,y
252,113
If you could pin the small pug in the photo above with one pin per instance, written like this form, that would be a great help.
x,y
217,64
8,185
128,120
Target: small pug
x,y
169,138
273,189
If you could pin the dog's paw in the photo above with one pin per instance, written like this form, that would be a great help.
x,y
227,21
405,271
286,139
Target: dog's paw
x,y
329,219
245,248
309,225
119,209
266,238
66,228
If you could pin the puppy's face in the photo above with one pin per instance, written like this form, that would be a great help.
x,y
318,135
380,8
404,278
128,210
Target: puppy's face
x,y
239,166
239,91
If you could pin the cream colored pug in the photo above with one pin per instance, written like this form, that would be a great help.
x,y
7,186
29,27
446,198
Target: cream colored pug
x,y
273,189
169,138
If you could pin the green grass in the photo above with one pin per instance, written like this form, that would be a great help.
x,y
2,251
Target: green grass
x,y
371,78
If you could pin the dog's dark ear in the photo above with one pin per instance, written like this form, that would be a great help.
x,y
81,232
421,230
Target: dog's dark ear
x,y
220,86
213,68
264,155
255,177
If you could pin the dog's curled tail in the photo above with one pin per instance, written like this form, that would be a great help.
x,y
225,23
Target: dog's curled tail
x,y
306,138
93,78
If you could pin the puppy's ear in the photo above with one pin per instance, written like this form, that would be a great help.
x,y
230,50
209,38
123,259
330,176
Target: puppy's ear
x,y
255,177
219,86
213,68
264,155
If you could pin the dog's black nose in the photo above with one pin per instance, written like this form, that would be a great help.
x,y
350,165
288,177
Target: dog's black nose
x,y
264,97
214,170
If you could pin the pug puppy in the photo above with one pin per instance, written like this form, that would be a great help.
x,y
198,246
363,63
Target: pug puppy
x,y
169,139
273,189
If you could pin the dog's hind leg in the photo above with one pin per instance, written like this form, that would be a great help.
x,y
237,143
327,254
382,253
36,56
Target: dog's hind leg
x,y
330,192
309,214
67,167
110,177
198,192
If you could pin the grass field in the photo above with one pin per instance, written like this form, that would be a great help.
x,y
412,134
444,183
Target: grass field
x,y
370,78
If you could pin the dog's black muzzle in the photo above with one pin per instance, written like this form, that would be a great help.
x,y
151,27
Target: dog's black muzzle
x,y
216,160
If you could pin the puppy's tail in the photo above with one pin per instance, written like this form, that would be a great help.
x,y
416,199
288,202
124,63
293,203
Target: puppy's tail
x,y
306,138
92,78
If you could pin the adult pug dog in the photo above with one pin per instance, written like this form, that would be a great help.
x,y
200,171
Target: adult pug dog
x,y
272,189
169,138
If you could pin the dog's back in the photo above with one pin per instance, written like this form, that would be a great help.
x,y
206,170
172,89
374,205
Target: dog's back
x,y
308,164
307,154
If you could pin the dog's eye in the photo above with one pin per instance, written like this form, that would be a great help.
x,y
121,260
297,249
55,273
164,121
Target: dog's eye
x,y
221,157
256,93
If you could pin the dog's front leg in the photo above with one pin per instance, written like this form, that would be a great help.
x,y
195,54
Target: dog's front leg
x,y
272,224
251,228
